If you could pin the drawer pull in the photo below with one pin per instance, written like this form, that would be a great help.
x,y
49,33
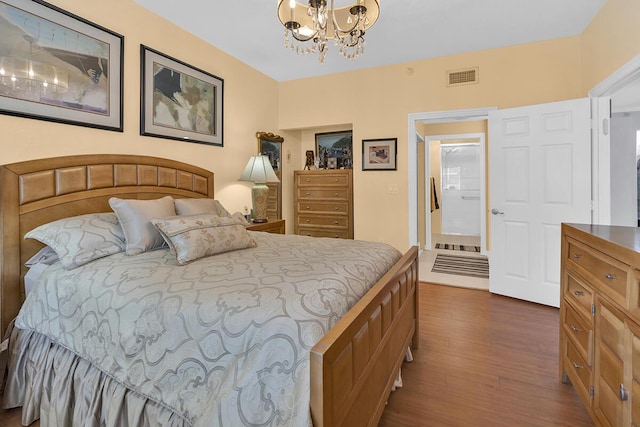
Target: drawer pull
x,y
308,221
578,293
576,365
336,222
336,194
308,194
307,180
336,179
308,207
575,328
576,256
624,396
609,276
335,209
337,236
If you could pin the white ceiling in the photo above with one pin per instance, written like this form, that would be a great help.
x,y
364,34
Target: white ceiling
x,y
407,30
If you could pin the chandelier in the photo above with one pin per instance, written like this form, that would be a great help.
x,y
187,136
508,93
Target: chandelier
x,y
317,23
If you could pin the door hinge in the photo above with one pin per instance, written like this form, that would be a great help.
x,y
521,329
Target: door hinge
x,y
591,391
593,310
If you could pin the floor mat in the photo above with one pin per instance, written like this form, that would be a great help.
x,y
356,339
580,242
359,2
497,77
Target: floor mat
x,y
468,248
461,265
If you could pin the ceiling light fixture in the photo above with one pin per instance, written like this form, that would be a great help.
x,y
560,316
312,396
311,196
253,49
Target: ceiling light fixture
x,y
317,23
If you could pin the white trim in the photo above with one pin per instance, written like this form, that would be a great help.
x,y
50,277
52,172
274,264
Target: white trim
x,y
601,145
412,152
618,79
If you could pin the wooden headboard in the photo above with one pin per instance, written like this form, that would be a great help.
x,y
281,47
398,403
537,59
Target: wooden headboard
x,y
39,191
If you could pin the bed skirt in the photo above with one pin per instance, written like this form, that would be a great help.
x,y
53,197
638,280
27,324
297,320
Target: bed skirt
x,y
56,386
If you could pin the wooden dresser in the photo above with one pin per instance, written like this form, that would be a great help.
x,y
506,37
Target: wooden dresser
x,y
600,320
323,203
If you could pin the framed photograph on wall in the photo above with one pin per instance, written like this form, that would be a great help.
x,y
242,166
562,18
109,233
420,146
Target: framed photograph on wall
x,y
58,67
179,101
336,145
379,154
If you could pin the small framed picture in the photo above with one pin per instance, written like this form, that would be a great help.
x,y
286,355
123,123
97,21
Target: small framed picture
x,y
332,163
379,154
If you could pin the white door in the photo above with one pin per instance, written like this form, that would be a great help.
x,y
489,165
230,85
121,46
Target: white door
x,y
540,176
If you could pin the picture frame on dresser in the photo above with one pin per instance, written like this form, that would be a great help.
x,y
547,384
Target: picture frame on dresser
x,y
379,154
59,67
179,101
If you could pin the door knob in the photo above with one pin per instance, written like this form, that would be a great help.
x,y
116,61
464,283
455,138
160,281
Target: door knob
x,y
496,212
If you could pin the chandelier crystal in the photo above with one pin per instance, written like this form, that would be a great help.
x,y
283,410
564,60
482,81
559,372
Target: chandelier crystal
x,y
309,27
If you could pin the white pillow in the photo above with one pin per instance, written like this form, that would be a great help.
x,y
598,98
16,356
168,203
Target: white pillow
x,y
81,239
197,236
135,215
200,206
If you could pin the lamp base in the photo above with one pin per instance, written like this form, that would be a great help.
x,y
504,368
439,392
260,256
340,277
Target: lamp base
x,y
259,196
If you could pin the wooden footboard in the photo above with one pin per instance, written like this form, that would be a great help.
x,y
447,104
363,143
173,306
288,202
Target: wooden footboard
x,y
354,366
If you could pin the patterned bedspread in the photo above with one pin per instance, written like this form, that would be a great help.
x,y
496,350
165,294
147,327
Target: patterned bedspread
x,y
224,340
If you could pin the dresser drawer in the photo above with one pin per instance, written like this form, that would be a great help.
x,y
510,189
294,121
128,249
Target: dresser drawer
x,y
577,369
579,293
316,207
610,273
316,232
580,331
323,179
323,193
328,220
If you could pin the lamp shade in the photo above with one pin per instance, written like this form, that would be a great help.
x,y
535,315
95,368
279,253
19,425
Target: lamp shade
x,y
259,169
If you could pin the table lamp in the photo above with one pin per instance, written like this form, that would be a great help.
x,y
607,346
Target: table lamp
x,y
259,171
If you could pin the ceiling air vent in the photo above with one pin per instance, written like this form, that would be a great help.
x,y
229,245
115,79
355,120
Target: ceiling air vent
x,y
462,77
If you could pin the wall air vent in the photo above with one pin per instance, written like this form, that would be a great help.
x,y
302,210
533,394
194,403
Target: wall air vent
x,y
462,77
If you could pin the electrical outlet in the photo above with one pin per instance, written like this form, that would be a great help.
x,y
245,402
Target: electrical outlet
x,y
288,156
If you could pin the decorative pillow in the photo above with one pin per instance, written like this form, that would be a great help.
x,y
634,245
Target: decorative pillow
x,y
200,206
240,217
81,239
197,236
135,215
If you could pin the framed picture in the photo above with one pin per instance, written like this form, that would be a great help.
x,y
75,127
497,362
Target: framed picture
x,y
337,145
59,67
270,145
179,101
379,154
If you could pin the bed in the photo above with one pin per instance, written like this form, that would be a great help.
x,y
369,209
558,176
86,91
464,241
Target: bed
x,y
352,367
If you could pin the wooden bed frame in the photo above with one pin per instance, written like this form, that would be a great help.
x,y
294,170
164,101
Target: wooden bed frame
x,y
352,368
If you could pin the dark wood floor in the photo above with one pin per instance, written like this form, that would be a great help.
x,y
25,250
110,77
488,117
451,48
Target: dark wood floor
x,y
484,360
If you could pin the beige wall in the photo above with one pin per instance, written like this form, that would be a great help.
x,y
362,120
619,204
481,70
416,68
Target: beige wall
x,y
611,40
377,103
248,104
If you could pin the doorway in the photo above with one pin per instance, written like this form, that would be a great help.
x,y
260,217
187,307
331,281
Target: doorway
x,y
454,178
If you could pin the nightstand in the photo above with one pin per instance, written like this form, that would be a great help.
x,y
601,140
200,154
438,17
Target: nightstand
x,y
275,226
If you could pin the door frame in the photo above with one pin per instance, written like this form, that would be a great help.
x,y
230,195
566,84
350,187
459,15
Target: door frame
x,y
475,114
481,137
600,96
